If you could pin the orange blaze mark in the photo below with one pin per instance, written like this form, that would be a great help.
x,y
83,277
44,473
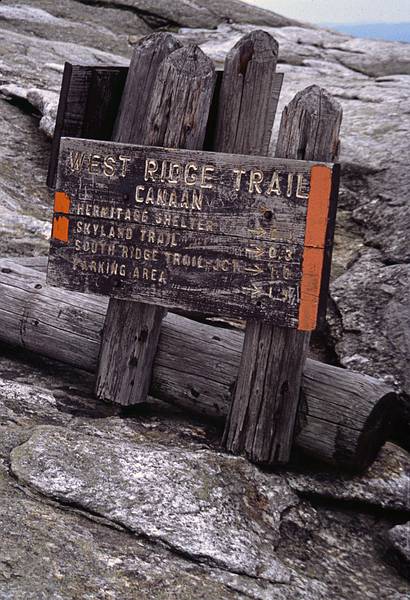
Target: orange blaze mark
x,y
313,253
61,203
60,229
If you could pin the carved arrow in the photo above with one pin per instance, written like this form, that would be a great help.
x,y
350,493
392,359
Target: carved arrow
x,y
258,232
254,290
254,251
255,270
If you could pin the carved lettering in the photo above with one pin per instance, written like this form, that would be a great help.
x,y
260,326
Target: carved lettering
x,y
189,177
124,160
174,172
188,228
274,185
255,179
301,187
109,166
76,160
151,167
207,177
94,164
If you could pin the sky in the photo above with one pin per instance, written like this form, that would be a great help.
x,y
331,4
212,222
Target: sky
x,y
346,11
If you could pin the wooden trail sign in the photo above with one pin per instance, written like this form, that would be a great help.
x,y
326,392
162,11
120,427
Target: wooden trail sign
x,y
219,257
232,235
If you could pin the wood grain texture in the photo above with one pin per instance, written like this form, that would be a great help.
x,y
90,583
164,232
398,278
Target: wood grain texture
x,y
181,100
125,364
130,341
38,263
131,123
263,413
88,105
343,417
176,113
249,95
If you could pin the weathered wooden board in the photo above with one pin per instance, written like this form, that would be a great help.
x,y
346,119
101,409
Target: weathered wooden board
x,y
234,235
89,101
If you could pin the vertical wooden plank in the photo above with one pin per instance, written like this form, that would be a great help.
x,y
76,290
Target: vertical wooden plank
x,y
147,57
88,105
249,95
131,330
179,87
103,100
70,76
263,412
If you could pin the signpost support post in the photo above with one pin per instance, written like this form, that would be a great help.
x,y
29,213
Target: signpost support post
x,y
262,417
166,101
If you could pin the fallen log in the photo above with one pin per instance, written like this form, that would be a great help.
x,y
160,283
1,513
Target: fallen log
x,y
344,417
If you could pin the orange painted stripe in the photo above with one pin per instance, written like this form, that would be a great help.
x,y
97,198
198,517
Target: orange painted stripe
x,y
61,202
60,229
60,223
313,253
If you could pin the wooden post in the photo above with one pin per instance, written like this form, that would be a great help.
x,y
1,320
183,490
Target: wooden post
x,y
262,417
166,102
89,102
249,96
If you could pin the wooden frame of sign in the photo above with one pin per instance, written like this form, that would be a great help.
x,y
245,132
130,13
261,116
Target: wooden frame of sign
x,y
229,234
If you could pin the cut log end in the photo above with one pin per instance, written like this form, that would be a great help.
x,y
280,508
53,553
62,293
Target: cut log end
x,y
344,417
376,431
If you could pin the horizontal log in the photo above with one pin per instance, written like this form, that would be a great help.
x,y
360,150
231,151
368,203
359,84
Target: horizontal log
x,y
344,417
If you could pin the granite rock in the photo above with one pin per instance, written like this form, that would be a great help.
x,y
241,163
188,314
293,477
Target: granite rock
x,y
216,507
385,484
24,199
100,27
399,537
48,551
371,323
145,500
198,13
